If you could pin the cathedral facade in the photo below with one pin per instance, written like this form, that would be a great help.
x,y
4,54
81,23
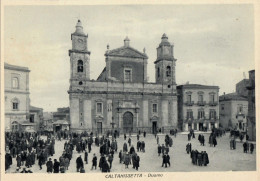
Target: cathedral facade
x,y
122,98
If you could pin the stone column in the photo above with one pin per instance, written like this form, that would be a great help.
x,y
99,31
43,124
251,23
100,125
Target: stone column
x,y
186,127
209,127
192,126
87,114
137,120
216,125
109,112
119,121
198,128
164,113
145,113
74,113
173,112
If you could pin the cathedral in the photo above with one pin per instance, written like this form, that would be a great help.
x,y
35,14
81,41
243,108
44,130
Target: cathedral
x,y
122,98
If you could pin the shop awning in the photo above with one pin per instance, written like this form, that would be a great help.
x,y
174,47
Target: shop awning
x,y
61,122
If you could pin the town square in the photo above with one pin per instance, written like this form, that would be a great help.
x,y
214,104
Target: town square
x,y
151,162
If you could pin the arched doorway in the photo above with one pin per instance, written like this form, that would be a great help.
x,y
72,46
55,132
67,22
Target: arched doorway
x,y
128,122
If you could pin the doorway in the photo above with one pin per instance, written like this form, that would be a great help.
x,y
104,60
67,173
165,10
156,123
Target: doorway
x,y
154,127
99,127
128,122
58,128
200,126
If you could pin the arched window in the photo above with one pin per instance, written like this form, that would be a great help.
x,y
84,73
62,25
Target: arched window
x,y
15,104
80,66
168,71
158,72
15,82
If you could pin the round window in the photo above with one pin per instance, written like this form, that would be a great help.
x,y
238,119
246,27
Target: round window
x,y
80,83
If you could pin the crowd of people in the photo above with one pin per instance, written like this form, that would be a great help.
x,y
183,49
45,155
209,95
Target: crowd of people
x,y
199,158
248,147
29,149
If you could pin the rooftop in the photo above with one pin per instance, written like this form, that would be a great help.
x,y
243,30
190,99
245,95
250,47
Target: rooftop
x,y
232,96
198,86
16,67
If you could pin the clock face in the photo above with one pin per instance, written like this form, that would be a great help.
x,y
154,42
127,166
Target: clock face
x,y
80,40
80,45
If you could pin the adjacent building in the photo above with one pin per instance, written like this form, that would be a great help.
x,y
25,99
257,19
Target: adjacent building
x,y
251,107
61,119
122,98
36,116
48,121
233,111
17,101
19,115
241,87
198,107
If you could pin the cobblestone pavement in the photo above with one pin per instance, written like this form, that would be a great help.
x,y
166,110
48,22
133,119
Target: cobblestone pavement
x,y
221,158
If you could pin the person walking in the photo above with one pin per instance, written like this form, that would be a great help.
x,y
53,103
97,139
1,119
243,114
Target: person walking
x,y
245,147
159,149
205,158
120,156
137,162
79,163
129,141
168,160
56,166
94,162
199,157
127,160
164,163
19,161
105,166
252,147
110,160
125,147
49,166
86,157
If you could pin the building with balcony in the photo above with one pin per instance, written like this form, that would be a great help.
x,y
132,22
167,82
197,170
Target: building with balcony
x,y
121,98
233,111
251,107
198,107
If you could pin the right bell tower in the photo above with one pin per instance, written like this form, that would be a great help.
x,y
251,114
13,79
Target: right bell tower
x,y
165,63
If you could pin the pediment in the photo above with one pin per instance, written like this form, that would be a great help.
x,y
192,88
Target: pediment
x,y
126,52
154,118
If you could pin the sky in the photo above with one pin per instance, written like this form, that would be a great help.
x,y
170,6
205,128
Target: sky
x,y
213,44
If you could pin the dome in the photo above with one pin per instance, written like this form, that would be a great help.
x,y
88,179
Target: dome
x,y
164,40
79,28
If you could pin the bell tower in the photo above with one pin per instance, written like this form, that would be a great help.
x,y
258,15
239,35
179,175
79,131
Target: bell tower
x,y
165,63
79,55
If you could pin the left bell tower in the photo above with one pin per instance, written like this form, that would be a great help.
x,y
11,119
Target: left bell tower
x,y
79,55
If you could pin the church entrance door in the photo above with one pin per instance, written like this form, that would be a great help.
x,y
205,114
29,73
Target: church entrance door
x,y
154,127
99,127
128,122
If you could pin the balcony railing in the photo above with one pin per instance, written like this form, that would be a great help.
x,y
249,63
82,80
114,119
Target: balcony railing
x,y
213,118
201,103
189,103
211,103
